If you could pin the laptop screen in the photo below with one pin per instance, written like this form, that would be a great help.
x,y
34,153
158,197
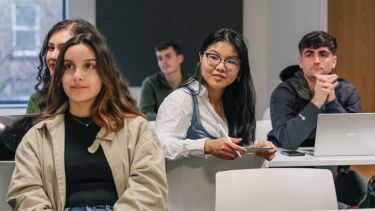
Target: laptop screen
x,y
12,130
345,134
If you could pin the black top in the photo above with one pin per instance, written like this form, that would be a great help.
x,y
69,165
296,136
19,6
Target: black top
x,y
89,179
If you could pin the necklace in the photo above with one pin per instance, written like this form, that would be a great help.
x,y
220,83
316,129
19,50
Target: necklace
x,y
80,122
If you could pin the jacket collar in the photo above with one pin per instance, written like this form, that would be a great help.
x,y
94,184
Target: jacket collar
x,y
54,122
199,89
299,84
164,81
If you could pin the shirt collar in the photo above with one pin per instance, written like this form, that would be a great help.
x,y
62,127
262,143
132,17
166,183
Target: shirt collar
x,y
195,86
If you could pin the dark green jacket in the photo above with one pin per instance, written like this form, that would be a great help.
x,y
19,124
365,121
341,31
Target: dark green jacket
x,y
32,106
154,89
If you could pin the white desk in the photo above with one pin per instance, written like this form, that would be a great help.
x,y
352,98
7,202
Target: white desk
x,y
192,181
281,160
362,209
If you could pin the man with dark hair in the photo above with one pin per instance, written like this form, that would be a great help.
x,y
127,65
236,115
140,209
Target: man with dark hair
x,y
308,89
159,85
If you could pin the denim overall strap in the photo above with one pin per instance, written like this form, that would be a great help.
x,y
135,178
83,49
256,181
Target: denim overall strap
x,y
196,130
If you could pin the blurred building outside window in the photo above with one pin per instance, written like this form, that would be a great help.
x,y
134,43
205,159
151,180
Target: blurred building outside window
x,y
23,26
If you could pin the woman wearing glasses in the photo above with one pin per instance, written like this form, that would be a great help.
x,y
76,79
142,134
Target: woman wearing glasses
x,y
220,94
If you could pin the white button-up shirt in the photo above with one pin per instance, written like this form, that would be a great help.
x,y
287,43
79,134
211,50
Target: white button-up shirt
x,y
174,119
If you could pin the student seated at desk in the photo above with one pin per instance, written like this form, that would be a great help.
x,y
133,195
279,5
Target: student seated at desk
x,y
307,90
159,85
52,44
94,150
188,120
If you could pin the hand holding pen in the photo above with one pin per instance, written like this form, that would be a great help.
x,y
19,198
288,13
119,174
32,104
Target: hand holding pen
x,y
226,136
224,147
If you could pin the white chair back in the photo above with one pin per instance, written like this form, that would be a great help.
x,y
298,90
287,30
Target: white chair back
x,y
275,189
191,182
6,171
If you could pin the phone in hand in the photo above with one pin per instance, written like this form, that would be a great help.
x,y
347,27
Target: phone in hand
x,y
292,153
253,149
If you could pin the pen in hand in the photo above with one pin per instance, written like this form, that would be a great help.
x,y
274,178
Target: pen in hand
x,y
226,136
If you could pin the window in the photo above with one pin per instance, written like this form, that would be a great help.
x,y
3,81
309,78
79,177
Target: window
x,y
23,27
25,30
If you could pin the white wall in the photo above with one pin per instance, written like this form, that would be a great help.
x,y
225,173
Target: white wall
x,y
85,9
273,29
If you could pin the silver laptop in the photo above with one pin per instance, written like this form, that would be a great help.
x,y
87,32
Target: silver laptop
x,y
345,134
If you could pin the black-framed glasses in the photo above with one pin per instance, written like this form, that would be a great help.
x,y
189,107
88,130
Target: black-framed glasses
x,y
214,60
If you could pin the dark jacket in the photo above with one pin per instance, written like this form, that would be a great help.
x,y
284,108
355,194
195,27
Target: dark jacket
x,y
294,117
154,89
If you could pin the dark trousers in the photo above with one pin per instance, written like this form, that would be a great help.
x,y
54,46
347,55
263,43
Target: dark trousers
x,y
350,186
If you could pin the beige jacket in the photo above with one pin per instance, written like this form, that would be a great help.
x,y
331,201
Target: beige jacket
x,y
134,155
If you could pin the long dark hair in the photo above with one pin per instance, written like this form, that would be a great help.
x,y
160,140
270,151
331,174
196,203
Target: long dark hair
x,y
74,26
112,104
240,110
